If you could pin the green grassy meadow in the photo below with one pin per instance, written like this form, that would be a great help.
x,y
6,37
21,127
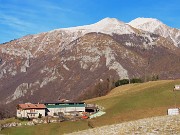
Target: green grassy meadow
x,y
124,103
47,129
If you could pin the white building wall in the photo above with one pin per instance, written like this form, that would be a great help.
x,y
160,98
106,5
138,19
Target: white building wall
x,y
19,113
34,114
64,110
79,109
55,110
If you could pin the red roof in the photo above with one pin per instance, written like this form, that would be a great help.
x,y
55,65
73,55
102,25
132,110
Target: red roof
x,y
31,106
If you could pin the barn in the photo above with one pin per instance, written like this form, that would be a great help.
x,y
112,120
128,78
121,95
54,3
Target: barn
x,y
54,108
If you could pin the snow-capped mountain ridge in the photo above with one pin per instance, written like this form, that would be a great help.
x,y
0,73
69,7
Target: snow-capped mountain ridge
x,y
144,21
113,25
106,25
70,62
155,26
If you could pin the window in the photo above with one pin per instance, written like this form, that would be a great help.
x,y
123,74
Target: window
x,y
32,110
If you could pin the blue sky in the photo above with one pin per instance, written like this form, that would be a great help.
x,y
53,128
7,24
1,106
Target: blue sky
x,y
22,17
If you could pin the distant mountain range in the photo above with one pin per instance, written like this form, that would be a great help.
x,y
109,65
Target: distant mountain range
x,y
75,62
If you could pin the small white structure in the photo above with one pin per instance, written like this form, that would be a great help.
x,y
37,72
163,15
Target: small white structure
x,y
173,111
177,87
29,110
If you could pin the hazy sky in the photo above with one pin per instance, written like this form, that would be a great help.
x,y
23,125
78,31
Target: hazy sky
x,y
22,17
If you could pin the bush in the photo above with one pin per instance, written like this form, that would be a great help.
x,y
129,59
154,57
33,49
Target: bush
x,y
40,115
121,82
155,77
126,81
55,114
23,119
136,80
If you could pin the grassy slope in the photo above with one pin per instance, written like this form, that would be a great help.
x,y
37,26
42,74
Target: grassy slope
x,y
47,129
137,101
10,120
124,103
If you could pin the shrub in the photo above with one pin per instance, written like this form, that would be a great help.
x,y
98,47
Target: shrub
x,y
126,81
40,115
155,77
136,80
121,82
24,119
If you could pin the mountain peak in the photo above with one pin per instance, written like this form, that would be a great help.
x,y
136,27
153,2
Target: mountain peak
x,y
109,20
145,21
157,27
106,25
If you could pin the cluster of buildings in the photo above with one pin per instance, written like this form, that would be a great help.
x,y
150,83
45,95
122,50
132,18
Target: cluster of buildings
x,y
29,110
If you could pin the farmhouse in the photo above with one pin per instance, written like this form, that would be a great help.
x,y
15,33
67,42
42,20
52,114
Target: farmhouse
x,y
53,109
29,110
